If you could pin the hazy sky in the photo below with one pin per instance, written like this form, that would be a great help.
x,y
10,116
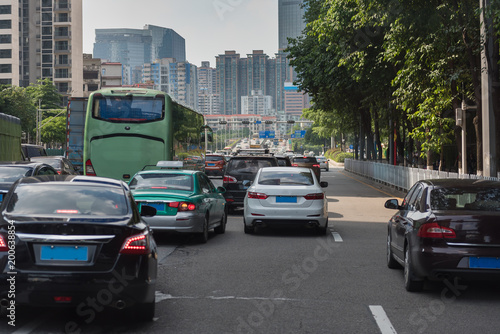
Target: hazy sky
x,y
209,26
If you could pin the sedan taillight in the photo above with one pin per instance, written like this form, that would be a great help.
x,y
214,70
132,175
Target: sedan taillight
x,y
257,195
433,230
295,165
182,206
3,244
136,244
229,179
314,196
318,166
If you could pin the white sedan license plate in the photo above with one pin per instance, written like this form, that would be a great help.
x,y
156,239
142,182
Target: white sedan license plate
x,y
286,199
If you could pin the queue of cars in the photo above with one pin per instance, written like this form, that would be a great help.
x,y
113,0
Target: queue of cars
x,y
72,247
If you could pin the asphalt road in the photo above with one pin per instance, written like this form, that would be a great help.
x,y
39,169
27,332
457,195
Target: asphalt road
x,y
292,281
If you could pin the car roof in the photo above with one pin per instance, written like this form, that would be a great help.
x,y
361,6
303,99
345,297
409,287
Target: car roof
x,y
461,183
286,169
168,171
83,179
22,163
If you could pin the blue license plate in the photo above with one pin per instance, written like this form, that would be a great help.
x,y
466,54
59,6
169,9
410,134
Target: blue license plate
x,y
484,262
211,164
64,253
1,198
157,206
286,199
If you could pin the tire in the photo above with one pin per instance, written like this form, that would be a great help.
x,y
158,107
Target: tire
x,y
222,227
323,230
391,262
411,283
248,229
144,312
204,235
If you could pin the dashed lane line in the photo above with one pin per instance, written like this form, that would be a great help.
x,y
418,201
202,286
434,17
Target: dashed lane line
x,y
383,322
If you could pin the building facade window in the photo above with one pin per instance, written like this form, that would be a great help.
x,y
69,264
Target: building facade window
x,y
63,17
5,24
62,73
62,45
5,9
46,44
63,59
5,68
5,53
5,39
62,32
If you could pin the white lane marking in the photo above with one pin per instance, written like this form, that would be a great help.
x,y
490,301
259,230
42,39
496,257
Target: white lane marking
x,y
382,320
337,237
161,296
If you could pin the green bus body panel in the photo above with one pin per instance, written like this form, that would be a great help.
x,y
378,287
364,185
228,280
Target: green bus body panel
x,y
119,155
10,138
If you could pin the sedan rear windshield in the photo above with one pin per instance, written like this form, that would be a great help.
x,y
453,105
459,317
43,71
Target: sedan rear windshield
x,y
66,199
286,178
305,160
249,164
162,182
456,198
12,174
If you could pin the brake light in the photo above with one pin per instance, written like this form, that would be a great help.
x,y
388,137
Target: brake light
x,y
314,196
3,244
229,179
136,244
182,206
257,195
62,299
89,169
295,165
316,166
433,230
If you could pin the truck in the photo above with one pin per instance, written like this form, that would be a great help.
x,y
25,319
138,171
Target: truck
x,y
10,138
75,126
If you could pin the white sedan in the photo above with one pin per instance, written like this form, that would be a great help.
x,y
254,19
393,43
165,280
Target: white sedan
x,y
285,196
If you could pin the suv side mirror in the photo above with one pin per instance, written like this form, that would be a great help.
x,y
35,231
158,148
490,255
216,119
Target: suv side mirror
x,y
323,184
392,204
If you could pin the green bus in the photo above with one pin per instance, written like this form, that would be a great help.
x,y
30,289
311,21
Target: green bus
x,y
127,129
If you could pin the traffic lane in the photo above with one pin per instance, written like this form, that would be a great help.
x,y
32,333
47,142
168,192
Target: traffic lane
x,y
461,306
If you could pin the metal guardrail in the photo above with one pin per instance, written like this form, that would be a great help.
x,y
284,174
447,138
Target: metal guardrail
x,y
400,177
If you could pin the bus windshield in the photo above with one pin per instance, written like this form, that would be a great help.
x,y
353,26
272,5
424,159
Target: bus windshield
x,y
128,108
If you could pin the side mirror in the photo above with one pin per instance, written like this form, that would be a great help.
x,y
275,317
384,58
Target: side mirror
x,y
392,204
323,184
221,190
247,183
147,211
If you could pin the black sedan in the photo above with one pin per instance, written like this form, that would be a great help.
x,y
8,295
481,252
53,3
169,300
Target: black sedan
x,y
11,171
444,229
89,251
62,165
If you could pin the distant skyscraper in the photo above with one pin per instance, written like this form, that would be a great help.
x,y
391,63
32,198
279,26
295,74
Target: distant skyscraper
x,y
290,21
208,100
135,47
228,78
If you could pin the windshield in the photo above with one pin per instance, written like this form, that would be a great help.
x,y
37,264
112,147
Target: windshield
x,y
128,108
12,174
162,181
53,199
285,178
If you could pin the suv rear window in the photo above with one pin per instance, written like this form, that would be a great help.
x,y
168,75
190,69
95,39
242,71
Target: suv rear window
x,y
214,158
250,164
305,159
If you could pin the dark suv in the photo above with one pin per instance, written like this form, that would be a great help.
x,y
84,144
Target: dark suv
x,y
308,162
240,172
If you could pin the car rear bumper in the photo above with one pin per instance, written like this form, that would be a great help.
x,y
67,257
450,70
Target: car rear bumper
x,y
437,263
273,217
182,222
119,289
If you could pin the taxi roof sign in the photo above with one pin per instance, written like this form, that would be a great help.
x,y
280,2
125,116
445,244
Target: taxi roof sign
x,y
170,164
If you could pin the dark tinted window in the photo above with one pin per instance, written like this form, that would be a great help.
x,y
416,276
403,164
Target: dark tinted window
x,y
250,164
285,178
53,199
305,160
214,158
458,198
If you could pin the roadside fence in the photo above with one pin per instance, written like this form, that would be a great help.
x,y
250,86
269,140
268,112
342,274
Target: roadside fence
x,y
400,177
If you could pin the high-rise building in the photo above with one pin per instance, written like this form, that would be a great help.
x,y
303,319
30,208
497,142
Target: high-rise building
x,y
295,100
290,21
135,47
228,80
257,103
208,99
91,74
42,39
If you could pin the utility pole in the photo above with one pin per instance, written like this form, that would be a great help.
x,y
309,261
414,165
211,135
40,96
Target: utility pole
x,y
487,113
